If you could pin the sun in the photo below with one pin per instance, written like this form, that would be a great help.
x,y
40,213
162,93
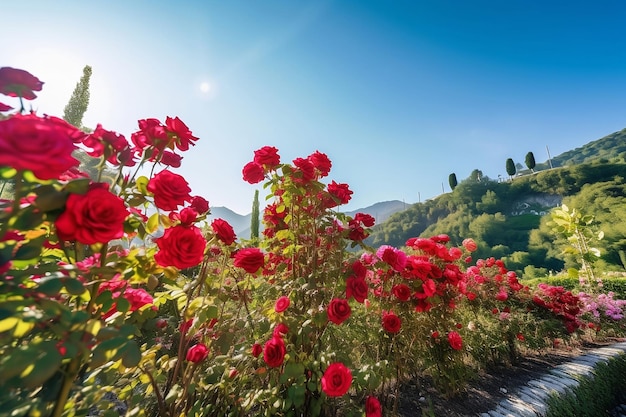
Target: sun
x,y
205,87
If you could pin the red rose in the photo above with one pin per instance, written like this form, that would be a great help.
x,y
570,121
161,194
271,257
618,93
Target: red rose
x,y
336,380
340,192
151,134
357,288
39,144
170,159
103,141
18,83
224,231
197,353
280,330
321,163
281,304
306,168
391,322
180,246
250,259
180,132
5,107
94,217
455,340
267,157
256,350
338,310
199,204
274,352
401,291
366,219
253,173
372,407
170,190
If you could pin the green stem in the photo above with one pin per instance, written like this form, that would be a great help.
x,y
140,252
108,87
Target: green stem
x,y
68,381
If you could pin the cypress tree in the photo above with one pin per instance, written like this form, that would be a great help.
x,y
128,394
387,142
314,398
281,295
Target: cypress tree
x,y
530,161
510,167
77,106
453,181
254,220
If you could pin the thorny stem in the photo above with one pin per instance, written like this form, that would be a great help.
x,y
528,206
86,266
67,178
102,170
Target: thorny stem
x,y
157,392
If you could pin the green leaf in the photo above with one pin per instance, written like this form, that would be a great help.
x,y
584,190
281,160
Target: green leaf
x,y
74,286
142,184
122,304
153,223
50,286
78,186
31,250
47,362
132,355
49,198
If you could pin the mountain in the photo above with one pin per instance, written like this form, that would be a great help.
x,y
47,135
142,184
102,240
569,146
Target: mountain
x,y
241,223
381,211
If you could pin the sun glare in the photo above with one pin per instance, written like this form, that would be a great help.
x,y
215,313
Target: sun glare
x,y
205,87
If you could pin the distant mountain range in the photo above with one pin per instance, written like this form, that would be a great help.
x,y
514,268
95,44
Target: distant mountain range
x,y
241,223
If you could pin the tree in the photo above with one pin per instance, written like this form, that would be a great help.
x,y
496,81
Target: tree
x,y
453,181
510,167
77,106
530,161
476,175
254,220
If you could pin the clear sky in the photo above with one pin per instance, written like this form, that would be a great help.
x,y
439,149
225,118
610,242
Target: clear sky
x,y
399,94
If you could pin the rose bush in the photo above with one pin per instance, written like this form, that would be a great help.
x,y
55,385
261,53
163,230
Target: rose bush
x,y
121,286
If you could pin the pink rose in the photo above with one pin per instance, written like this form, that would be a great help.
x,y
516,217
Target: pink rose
x,y
336,380
170,190
94,217
470,245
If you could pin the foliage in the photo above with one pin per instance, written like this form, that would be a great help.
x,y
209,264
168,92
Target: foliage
x,y
595,394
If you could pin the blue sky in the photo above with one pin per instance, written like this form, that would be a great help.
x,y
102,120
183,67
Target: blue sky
x,y
399,94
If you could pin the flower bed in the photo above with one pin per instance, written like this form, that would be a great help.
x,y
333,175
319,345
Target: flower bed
x,y
122,286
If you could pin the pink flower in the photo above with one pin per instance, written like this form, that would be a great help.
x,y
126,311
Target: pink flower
x,y
470,245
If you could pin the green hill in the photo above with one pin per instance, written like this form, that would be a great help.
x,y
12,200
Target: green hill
x,y
508,219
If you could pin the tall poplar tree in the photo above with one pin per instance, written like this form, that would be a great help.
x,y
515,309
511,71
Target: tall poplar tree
x,y
77,106
254,220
